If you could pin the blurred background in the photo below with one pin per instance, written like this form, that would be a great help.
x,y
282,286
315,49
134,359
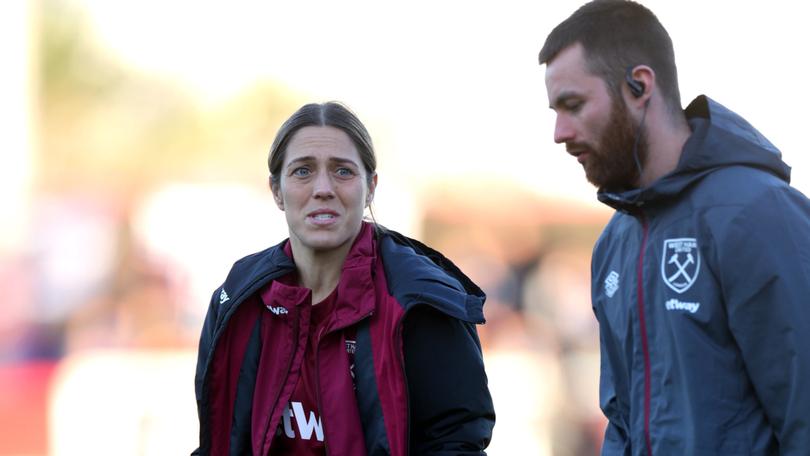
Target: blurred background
x,y
133,153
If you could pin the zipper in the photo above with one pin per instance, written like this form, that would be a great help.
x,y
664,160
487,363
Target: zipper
x,y
643,329
323,332
400,349
318,388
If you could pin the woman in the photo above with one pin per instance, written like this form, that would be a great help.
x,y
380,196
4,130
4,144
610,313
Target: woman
x,y
347,338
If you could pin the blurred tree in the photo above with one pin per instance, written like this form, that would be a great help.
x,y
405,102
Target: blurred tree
x,y
110,128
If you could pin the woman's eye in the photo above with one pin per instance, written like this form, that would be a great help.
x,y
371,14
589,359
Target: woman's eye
x,y
344,172
301,172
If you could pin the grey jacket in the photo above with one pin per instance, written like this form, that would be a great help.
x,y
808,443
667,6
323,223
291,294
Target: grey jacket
x,y
701,285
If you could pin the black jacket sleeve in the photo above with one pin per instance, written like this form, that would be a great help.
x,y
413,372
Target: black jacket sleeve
x,y
206,337
451,409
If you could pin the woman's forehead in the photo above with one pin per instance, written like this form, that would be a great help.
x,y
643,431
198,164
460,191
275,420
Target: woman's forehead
x,y
321,142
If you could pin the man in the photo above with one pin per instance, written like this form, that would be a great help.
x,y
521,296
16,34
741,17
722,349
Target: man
x,y
701,280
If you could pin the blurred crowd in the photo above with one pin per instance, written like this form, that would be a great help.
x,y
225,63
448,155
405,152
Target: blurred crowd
x,y
127,230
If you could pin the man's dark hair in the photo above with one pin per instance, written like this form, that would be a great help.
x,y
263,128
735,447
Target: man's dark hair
x,y
617,35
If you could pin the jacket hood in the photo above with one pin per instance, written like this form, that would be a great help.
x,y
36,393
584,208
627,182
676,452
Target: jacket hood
x,y
417,274
720,138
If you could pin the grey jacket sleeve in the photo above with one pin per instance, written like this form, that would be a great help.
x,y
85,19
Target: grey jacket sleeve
x,y
766,285
616,440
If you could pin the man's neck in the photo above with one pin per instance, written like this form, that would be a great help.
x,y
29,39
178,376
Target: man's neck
x,y
665,140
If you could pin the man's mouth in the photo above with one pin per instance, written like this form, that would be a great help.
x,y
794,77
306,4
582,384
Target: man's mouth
x,y
580,153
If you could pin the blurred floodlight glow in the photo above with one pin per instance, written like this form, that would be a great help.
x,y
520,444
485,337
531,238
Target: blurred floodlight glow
x,y
205,228
124,402
69,232
524,386
177,221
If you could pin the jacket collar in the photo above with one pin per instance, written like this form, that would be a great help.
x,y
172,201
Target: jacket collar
x,y
355,290
416,274
720,138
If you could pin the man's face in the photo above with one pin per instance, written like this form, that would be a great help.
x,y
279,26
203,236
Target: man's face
x,y
596,128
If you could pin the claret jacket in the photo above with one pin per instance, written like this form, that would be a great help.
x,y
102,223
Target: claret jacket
x,y
419,383
701,285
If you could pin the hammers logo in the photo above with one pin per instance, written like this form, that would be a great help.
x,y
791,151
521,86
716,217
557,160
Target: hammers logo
x,y
680,263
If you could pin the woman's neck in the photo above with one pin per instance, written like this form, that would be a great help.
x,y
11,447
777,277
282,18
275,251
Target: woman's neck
x,y
319,270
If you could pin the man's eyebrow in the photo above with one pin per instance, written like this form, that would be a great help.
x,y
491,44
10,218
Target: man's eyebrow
x,y
562,98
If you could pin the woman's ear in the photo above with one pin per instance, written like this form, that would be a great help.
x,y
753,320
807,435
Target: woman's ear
x,y
372,185
274,187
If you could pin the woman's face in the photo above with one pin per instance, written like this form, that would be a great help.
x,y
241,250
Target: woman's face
x,y
323,189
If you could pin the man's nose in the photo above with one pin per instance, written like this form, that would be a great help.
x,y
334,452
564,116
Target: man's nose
x,y
563,130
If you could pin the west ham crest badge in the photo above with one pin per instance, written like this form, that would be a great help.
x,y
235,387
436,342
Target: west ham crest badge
x,y
680,263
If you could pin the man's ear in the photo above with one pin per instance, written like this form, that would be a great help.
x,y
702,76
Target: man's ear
x,y
640,81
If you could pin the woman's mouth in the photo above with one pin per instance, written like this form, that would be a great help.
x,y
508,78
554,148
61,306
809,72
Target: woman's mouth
x,y
322,217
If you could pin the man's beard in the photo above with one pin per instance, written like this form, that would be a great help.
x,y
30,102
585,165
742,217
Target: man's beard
x,y
613,166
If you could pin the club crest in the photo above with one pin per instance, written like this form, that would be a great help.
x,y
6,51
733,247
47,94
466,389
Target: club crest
x,y
680,263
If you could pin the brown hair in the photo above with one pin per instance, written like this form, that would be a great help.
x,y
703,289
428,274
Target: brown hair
x,y
329,114
617,35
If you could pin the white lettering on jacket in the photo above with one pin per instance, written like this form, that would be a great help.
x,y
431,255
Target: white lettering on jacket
x,y
674,304
277,310
305,425
611,284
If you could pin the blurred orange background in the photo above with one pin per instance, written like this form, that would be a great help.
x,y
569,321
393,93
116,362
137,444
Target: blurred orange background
x,y
136,133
